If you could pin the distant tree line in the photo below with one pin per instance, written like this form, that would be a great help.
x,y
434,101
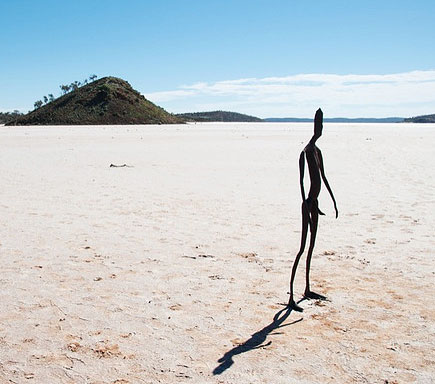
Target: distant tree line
x,y
5,117
64,89
218,116
421,119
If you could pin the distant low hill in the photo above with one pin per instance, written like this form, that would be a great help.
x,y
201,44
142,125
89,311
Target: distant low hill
x,y
215,116
421,119
109,100
335,120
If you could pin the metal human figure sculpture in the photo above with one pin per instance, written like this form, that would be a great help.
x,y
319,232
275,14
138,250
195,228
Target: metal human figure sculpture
x,y
310,206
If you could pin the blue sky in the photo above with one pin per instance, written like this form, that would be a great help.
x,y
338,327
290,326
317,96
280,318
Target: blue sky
x,y
266,58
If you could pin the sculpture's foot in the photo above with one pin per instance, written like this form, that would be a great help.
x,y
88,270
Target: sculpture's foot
x,y
294,306
313,295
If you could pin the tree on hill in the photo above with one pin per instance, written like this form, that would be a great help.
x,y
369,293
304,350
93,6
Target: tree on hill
x,y
75,85
38,104
65,88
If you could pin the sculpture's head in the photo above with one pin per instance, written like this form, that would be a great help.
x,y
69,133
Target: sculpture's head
x,y
318,123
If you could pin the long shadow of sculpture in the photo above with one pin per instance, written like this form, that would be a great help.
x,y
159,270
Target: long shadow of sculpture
x,y
257,340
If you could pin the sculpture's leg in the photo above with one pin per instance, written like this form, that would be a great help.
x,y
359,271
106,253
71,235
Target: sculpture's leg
x,y
314,220
305,218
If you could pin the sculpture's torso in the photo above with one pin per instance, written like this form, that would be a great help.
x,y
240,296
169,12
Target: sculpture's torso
x,y
312,155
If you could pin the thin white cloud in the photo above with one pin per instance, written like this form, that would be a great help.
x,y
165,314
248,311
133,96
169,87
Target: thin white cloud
x,y
399,94
170,95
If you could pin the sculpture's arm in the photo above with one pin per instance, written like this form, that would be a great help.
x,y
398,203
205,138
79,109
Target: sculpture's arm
x,y
322,172
301,174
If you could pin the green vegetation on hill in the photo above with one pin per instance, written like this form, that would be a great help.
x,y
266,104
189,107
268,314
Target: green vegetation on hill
x,y
6,117
65,89
421,119
109,100
218,116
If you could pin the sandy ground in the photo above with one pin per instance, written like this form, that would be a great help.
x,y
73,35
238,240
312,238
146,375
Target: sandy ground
x,y
176,269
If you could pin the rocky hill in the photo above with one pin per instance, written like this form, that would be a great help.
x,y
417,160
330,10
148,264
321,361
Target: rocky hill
x,y
218,116
421,119
109,100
